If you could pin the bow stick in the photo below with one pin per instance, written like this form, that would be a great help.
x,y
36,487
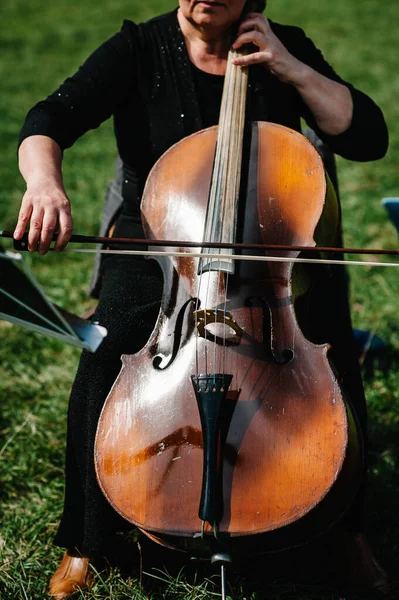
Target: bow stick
x,y
22,244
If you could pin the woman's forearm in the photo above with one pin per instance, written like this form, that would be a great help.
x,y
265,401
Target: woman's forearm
x,y
330,102
45,205
40,157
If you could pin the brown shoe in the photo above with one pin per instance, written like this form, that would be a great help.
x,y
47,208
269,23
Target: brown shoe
x,y
71,575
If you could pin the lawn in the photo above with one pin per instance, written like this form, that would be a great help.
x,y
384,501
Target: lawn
x,y
41,44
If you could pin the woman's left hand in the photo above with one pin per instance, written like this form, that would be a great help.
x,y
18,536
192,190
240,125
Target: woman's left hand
x,y
272,54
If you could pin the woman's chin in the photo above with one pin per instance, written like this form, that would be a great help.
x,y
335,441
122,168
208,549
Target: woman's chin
x,y
210,20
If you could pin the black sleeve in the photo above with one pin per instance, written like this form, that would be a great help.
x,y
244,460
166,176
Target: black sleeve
x,y
367,136
90,96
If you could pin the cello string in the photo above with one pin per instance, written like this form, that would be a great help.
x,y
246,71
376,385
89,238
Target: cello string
x,y
222,201
200,285
231,151
197,304
228,133
224,330
225,111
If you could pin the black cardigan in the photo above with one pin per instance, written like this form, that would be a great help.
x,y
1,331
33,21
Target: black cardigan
x,y
144,78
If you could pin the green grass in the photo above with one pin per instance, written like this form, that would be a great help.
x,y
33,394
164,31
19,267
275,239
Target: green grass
x,y
40,44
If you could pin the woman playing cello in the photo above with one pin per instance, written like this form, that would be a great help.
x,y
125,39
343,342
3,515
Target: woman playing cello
x,y
162,81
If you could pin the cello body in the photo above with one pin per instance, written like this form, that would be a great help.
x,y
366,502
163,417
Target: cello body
x,y
287,460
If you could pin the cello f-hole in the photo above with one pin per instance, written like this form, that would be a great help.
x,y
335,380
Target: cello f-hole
x,y
184,326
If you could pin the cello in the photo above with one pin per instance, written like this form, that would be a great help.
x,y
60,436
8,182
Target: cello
x,y
229,429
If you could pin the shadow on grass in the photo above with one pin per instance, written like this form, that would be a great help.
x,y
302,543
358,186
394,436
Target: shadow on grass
x,y
306,573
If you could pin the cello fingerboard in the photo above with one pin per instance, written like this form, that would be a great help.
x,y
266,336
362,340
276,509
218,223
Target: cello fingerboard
x,y
221,219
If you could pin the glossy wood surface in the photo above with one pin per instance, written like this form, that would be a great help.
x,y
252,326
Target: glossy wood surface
x,y
286,420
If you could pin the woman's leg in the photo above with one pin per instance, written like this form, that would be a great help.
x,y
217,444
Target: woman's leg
x,y
128,308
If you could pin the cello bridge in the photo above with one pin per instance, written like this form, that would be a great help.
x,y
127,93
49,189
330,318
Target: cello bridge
x,y
218,323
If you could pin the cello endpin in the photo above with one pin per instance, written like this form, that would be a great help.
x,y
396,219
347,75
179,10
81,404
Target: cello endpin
x,y
223,559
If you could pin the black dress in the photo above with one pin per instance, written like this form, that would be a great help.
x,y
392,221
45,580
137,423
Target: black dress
x,y
144,78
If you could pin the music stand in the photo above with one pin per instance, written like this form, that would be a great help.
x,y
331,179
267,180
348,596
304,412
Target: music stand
x,y
23,302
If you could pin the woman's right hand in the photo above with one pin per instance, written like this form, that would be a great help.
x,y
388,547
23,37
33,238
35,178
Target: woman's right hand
x,y
45,205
